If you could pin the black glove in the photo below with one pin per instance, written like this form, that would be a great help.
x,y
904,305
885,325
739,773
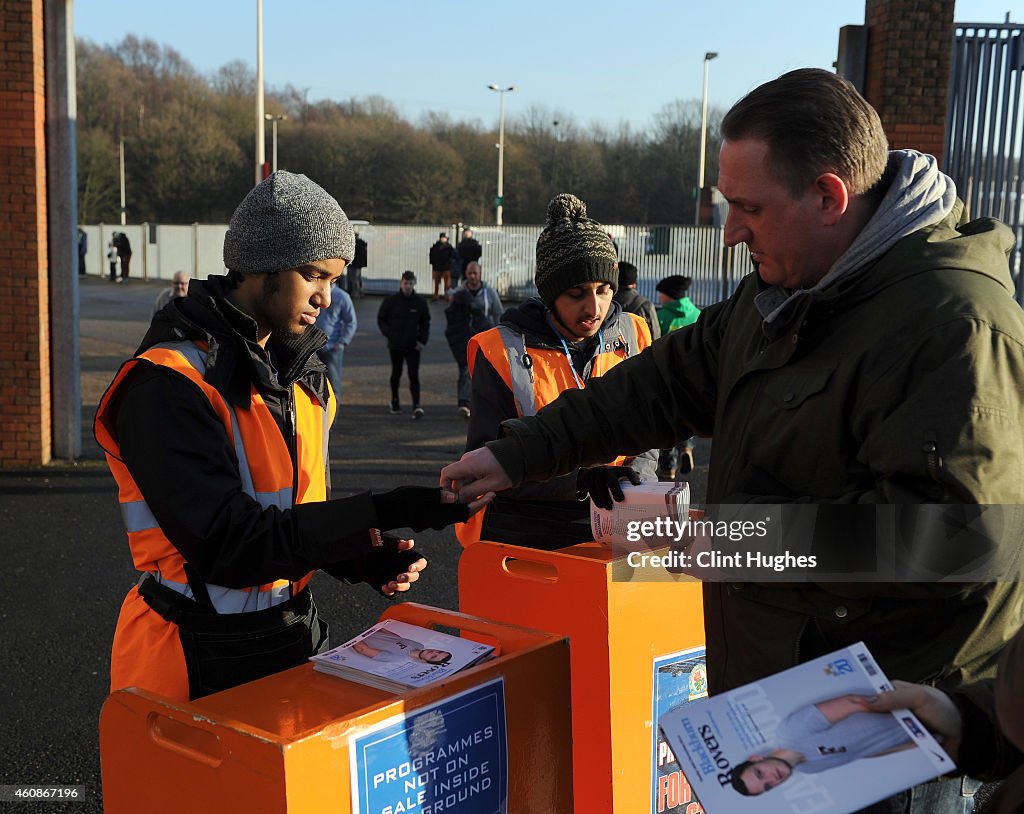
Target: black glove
x,y
417,508
602,484
376,568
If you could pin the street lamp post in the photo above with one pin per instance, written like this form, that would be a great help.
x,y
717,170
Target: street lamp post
x,y
261,138
499,202
120,163
270,117
710,55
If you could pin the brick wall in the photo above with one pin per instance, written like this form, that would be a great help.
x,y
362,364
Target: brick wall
x,y
908,65
24,332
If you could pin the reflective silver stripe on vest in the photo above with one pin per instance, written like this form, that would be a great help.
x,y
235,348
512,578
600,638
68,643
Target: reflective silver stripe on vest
x,y
627,334
138,517
522,373
326,436
233,600
521,370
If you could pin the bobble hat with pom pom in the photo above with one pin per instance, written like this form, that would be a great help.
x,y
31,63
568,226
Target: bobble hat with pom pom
x,y
572,249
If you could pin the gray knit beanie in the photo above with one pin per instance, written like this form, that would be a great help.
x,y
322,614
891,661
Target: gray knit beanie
x,y
286,221
572,249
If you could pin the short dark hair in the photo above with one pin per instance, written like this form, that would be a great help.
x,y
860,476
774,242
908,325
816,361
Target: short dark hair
x,y
736,777
409,275
813,121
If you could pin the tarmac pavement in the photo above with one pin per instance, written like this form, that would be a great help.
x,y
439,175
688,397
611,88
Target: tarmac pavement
x,y
68,566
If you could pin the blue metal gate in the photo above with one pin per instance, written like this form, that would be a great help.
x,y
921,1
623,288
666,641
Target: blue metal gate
x,y
984,122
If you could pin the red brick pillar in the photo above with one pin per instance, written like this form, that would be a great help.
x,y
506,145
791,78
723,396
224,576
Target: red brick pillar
x,y
910,46
24,331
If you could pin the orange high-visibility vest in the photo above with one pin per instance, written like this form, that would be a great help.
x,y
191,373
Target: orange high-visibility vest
x,y
265,469
537,376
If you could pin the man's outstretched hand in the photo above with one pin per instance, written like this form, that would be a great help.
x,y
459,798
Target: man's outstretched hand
x,y
936,710
476,475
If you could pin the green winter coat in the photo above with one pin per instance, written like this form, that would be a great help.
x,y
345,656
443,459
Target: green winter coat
x,y
901,384
677,314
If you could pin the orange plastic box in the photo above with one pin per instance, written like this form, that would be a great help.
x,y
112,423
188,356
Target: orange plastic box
x,y
616,629
287,743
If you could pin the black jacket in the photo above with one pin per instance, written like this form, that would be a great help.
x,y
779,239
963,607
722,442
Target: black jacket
x,y
493,402
441,256
122,244
405,321
469,250
359,258
470,313
176,449
634,303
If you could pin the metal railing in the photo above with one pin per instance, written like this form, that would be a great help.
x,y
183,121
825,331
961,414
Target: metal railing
x,y
984,125
507,262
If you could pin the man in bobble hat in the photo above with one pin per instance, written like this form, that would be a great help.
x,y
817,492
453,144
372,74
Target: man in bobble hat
x,y
571,333
216,433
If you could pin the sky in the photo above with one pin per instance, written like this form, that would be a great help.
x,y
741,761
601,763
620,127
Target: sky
x,y
580,61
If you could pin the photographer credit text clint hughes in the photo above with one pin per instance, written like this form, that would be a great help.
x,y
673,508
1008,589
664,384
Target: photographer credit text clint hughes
x,y
691,546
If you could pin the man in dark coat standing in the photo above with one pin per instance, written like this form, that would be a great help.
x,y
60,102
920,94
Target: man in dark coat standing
x,y
124,252
442,254
632,301
404,318
354,273
468,251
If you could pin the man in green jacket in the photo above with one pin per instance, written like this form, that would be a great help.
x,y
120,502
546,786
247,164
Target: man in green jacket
x,y
875,356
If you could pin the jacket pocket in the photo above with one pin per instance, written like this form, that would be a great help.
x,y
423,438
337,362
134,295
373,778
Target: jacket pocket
x,y
220,659
791,390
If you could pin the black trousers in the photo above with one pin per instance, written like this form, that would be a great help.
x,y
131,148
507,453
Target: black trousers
x,y
412,357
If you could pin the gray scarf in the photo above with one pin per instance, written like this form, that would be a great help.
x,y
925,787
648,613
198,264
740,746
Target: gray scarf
x,y
919,196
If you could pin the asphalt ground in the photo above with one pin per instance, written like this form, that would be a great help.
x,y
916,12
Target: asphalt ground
x,y
68,566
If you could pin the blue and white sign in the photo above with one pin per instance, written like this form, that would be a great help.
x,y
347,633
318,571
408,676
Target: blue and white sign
x,y
450,757
679,678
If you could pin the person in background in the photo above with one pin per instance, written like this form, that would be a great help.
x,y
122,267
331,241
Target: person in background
x,y
675,311
874,356
83,249
112,261
354,274
338,322
632,302
404,318
216,433
475,307
179,288
124,253
442,254
562,340
468,251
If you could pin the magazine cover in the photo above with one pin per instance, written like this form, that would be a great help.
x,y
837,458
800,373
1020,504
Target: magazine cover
x,y
802,741
402,654
679,678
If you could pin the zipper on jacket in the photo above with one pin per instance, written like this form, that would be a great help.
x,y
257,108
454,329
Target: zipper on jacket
x,y
290,435
932,459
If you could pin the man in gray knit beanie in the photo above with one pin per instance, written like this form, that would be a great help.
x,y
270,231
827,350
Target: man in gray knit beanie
x,y
223,422
285,222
